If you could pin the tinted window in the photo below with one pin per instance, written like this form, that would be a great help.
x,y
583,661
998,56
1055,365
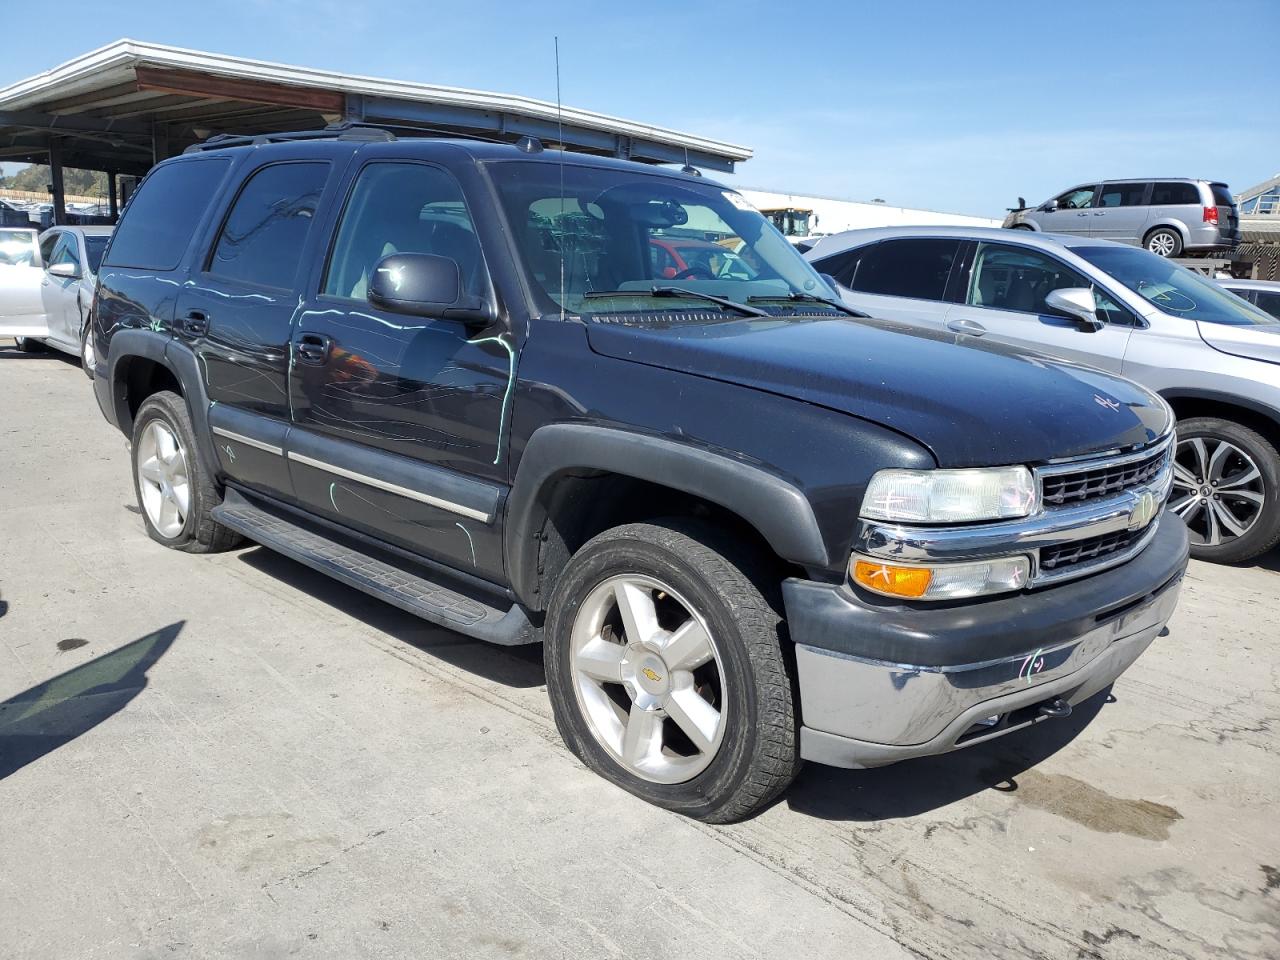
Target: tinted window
x,y
1018,278
842,266
907,268
164,213
1167,194
1122,194
402,208
1222,194
1269,302
264,235
94,248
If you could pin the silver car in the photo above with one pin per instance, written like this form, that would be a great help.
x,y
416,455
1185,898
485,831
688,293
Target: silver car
x,y
1213,356
1169,217
1261,293
46,287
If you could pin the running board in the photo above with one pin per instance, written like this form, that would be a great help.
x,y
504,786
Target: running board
x,y
376,577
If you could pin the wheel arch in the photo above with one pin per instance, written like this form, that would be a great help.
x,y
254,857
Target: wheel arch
x,y
1177,226
1188,403
575,480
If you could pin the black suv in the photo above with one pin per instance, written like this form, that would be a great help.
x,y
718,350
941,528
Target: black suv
x,y
748,527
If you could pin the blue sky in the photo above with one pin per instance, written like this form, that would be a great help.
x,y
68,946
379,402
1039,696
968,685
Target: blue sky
x,y
950,105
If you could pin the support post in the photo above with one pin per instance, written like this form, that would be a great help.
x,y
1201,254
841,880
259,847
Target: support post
x,y
159,142
113,203
57,188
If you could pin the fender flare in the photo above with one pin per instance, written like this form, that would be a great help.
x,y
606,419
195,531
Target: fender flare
x,y
1227,399
178,359
774,506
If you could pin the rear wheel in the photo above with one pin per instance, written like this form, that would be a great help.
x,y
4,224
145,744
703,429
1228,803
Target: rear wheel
x,y
175,492
1226,486
1164,242
666,674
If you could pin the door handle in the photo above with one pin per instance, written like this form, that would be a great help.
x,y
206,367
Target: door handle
x,y
971,327
1081,214
196,323
312,348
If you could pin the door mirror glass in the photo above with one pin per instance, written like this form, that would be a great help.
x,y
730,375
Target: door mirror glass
x,y
425,285
68,270
1078,303
1050,206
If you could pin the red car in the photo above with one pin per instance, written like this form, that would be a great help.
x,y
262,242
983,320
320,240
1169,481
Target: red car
x,y
684,258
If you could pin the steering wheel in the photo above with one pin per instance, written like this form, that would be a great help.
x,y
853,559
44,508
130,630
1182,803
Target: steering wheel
x,y
693,273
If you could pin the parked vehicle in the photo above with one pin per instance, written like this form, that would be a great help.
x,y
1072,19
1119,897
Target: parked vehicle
x,y
47,288
678,258
1210,354
747,530
1169,217
1264,294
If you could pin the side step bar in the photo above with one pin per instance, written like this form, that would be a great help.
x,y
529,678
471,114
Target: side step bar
x,y
376,577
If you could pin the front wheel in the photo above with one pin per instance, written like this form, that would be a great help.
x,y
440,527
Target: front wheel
x,y
1226,486
88,357
666,673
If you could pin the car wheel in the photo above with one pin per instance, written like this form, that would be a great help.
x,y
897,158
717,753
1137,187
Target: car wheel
x,y
1023,226
175,493
1164,242
28,345
87,355
666,673
1226,487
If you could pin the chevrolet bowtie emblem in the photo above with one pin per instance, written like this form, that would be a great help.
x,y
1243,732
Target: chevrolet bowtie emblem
x,y
1143,511
651,675
1107,402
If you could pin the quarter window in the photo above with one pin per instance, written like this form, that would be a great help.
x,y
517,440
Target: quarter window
x,y
906,268
1269,302
1018,279
402,208
163,215
65,251
47,244
1174,194
1122,194
266,231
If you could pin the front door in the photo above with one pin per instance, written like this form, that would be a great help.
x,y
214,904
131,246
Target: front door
x,y
400,421
1073,213
60,295
21,273
1005,298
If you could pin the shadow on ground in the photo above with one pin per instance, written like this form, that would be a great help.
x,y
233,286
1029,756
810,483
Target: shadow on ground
x,y
519,667
43,718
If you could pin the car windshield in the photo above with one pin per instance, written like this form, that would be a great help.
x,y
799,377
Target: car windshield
x,y
1173,289
94,247
626,232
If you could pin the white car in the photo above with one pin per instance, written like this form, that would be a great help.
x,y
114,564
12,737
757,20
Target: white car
x,y
46,287
1261,293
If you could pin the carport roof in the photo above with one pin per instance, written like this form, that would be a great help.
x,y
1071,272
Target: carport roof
x,y
124,106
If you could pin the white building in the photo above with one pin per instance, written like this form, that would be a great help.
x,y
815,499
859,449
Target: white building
x,y
827,215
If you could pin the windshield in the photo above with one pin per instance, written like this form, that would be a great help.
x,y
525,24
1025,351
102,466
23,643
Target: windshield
x,y
94,247
626,232
1173,289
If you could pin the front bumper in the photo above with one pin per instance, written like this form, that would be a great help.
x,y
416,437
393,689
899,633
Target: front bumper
x,y
882,682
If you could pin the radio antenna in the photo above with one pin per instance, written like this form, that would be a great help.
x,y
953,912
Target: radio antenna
x,y
560,135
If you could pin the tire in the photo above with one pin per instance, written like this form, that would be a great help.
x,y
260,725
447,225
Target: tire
x,y
86,348
1164,242
28,345
193,529
1240,486
694,577
1023,226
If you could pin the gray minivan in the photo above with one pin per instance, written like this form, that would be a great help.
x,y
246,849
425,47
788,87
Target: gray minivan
x,y
1169,217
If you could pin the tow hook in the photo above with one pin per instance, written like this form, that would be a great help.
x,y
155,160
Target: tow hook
x,y
1056,707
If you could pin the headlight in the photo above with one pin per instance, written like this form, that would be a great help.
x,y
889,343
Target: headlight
x,y
941,581
950,496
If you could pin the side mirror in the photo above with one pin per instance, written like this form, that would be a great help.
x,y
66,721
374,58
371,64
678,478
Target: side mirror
x,y
1077,303
424,285
1049,206
68,270
832,282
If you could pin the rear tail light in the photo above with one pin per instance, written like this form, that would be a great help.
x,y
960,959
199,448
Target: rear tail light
x,y
1211,215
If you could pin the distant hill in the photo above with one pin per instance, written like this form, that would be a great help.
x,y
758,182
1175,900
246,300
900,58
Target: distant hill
x,y
85,183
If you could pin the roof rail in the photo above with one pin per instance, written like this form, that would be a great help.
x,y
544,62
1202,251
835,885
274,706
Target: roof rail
x,y
335,131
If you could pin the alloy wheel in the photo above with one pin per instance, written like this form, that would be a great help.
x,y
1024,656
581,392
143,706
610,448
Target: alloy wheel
x,y
1217,489
1162,244
163,478
648,678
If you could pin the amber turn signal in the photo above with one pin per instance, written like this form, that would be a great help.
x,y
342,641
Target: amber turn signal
x,y
892,580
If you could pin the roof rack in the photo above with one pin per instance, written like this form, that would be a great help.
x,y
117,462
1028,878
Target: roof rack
x,y
335,131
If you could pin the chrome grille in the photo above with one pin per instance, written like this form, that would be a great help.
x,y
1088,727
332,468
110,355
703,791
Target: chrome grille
x,y
1070,484
1084,551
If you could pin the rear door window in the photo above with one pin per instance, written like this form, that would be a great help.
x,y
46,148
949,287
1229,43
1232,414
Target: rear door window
x,y
916,268
1122,194
163,215
264,235
1174,194
844,265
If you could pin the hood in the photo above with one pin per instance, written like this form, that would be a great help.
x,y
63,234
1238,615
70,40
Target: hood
x,y
1254,341
971,404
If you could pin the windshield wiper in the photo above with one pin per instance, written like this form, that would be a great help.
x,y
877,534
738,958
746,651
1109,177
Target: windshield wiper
x,y
795,295
660,292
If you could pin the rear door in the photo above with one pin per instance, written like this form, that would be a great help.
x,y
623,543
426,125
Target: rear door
x,y
21,273
1005,298
1121,212
903,279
